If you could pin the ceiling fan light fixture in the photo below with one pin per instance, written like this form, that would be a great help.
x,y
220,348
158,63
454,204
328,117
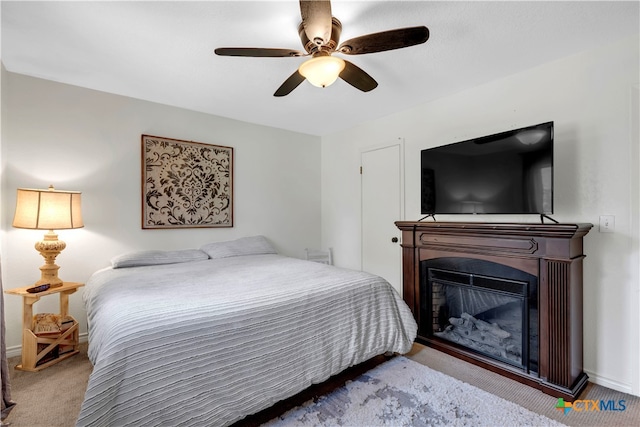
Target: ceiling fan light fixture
x,y
322,71
320,33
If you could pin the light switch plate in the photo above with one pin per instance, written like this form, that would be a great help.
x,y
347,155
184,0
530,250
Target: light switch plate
x,y
607,223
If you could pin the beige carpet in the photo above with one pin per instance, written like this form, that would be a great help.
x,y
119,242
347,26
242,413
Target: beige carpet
x,y
52,397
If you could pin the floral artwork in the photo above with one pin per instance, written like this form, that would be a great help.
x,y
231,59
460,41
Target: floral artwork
x,y
186,184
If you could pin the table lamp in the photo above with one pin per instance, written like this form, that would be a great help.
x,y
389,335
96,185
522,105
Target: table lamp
x,y
48,210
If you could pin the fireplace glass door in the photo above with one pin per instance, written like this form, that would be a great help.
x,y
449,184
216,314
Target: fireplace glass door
x,y
488,315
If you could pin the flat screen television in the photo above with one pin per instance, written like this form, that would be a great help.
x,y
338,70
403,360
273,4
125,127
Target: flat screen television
x,y
507,173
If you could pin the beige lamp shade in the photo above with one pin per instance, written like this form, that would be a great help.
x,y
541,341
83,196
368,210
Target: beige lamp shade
x,y
322,71
47,209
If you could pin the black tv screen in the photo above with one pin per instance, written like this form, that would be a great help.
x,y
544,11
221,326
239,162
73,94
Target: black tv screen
x,y
507,173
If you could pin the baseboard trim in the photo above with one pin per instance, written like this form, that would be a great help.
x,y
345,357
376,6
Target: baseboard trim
x,y
16,350
609,383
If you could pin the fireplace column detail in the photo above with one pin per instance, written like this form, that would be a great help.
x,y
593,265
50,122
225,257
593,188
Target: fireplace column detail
x,y
551,252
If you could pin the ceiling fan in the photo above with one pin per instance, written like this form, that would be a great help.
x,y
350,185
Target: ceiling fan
x,y
320,33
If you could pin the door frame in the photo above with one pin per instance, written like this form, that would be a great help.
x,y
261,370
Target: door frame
x,y
401,160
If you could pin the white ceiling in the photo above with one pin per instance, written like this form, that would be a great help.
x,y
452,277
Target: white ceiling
x,y
163,51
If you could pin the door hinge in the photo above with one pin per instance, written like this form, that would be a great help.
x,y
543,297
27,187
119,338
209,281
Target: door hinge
x,y
360,170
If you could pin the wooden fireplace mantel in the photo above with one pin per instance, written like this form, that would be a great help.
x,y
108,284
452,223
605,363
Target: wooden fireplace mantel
x,y
551,252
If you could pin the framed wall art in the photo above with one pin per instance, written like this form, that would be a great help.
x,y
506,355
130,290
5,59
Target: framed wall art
x,y
186,184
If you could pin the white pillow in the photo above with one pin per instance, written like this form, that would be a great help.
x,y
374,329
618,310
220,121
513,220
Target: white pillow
x,y
254,245
137,259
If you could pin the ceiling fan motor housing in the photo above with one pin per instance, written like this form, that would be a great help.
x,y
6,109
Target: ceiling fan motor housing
x,y
313,46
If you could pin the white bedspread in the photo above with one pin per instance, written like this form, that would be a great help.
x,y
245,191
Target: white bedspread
x,y
206,343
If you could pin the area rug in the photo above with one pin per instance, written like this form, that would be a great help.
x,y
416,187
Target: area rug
x,y
401,392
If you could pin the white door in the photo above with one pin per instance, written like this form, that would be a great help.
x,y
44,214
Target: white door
x,y
382,205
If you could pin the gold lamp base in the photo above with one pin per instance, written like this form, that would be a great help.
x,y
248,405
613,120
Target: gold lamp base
x,y
50,248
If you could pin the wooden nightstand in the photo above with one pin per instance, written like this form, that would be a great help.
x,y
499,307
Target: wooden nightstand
x,y
35,348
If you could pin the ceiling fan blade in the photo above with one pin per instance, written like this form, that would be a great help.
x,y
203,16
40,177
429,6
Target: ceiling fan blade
x,y
385,40
357,77
316,20
290,84
257,52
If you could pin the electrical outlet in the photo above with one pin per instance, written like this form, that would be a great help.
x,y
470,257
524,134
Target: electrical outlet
x,y
607,223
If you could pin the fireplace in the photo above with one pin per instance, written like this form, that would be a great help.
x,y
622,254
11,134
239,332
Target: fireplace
x,y
507,297
487,308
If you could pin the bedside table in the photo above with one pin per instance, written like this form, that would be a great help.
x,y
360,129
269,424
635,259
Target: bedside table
x,y
35,348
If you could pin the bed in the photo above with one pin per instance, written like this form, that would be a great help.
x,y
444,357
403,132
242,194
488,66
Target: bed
x,y
208,336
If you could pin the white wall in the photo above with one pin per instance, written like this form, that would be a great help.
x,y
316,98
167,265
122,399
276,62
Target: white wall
x,y
85,140
588,96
